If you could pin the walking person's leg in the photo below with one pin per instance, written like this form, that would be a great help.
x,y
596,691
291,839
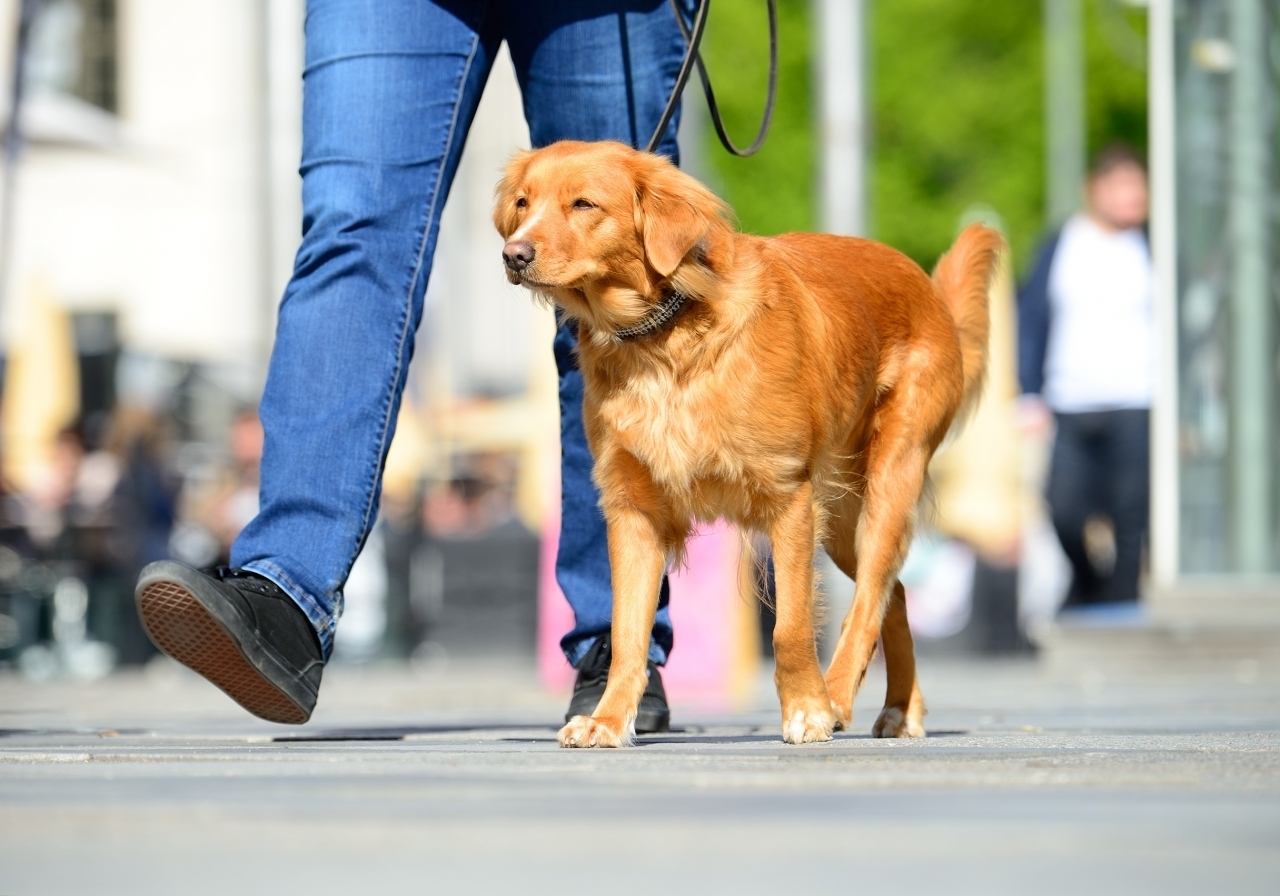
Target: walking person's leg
x,y
390,89
1128,499
1075,472
594,70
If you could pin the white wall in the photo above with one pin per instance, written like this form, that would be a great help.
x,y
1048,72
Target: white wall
x,y
184,214
477,325
162,220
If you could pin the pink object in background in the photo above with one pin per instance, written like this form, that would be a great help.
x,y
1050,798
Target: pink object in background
x,y
705,602
555,619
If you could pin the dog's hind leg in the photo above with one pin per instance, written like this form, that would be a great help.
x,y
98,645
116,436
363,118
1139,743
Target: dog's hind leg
x,y
903,693
894,479
806,709
903,713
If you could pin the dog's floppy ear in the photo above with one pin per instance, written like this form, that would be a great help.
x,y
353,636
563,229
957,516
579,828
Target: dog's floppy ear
x,y
672,217
504,207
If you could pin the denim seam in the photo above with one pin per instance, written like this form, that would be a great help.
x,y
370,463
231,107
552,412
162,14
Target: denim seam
x,y
417,271
343,57
316,161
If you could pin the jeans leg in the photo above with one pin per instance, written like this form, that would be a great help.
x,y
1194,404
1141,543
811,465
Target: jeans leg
x,y
1128,498
1074,474
390,89
592,70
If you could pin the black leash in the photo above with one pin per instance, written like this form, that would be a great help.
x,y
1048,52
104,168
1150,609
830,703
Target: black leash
x,y
692,55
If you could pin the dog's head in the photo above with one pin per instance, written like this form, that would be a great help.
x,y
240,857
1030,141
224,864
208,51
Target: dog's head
x,y
600,228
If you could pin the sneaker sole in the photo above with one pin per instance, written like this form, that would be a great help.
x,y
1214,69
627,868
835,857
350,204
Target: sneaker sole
x,y
181,626
653,722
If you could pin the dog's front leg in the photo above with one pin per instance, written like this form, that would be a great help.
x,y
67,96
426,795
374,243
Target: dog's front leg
x,y
637,561
807,714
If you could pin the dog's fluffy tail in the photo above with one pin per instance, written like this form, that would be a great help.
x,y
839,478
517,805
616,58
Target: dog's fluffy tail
x,y
963,277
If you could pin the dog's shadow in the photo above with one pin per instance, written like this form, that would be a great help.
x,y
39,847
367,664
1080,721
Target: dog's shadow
x,y
688,736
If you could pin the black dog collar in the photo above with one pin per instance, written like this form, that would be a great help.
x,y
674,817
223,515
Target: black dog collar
x,y
661,315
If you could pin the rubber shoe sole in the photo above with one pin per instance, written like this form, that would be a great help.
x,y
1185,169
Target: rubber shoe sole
x,y
182,626
653,721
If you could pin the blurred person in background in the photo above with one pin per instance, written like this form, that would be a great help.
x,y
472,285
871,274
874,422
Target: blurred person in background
x,y
146,495
218,504
1086,346
101,510
131,464
390,90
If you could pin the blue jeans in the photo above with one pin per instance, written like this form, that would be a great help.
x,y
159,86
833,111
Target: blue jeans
x,y
390,90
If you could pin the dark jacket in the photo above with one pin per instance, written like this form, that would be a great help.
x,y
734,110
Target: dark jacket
x,y
1033,317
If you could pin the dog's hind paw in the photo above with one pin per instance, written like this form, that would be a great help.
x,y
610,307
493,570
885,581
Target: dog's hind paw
x,y
586,731
844,716
893,722
807,727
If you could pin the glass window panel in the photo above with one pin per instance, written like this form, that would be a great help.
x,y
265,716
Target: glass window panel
x,y
1228,72
74,50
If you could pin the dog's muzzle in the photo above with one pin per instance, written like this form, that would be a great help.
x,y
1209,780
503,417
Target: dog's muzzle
x,y
518,255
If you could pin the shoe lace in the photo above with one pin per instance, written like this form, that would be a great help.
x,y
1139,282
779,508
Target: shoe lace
x,y
223,573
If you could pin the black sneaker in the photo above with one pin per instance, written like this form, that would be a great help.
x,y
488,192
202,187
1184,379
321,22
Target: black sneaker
x,y
240,631
593,674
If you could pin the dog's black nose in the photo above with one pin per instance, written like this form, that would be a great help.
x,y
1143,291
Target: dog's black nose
x,y
518,255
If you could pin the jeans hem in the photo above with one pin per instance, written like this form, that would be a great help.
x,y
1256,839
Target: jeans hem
x,y
574,654
321,619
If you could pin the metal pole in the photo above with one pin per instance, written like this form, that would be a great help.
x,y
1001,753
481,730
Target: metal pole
x,y
1162,136
13,140
1065,139
1252,368
841,77
281,151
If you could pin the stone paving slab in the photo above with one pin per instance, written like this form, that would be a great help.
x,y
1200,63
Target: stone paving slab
x,y
157,783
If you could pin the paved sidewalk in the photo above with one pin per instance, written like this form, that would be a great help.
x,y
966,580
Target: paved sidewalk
x,y
156,783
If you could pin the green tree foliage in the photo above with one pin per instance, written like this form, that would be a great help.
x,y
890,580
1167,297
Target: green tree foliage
x,y
957,99
958,93
1115,68
774,190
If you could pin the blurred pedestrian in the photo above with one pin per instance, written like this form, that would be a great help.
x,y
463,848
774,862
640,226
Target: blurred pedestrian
x,y
136,448
1086,357
390,90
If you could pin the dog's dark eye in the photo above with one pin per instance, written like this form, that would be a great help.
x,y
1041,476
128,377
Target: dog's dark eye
x,y
583,203
522,202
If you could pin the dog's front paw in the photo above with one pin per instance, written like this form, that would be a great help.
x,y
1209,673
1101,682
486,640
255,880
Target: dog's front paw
x,y
807,726
588,731
893,722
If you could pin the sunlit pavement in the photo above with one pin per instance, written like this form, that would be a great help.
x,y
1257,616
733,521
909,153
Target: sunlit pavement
x,y
156,783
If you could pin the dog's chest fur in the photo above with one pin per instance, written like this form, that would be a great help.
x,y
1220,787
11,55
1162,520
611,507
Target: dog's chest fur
x,y
691,435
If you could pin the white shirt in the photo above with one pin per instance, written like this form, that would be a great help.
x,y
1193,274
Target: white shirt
x,y
1101,352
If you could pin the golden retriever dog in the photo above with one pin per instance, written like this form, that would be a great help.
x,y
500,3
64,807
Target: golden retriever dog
x,y
796,385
